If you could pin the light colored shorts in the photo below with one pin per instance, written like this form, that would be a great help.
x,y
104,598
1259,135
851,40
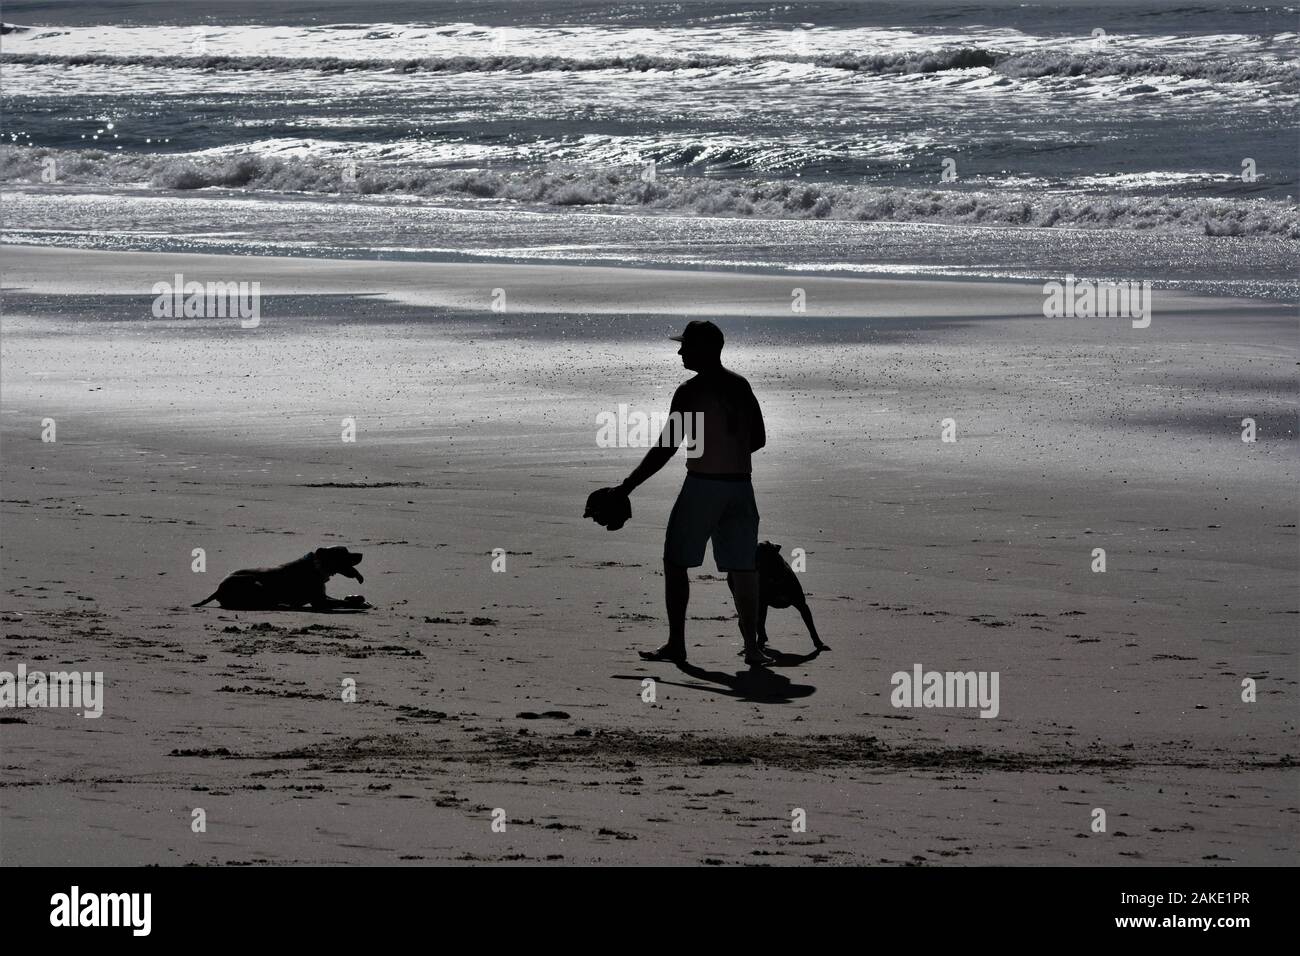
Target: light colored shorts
x,y
713,509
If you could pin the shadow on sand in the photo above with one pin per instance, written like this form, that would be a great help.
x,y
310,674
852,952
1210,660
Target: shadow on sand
x,y
290,610
758,685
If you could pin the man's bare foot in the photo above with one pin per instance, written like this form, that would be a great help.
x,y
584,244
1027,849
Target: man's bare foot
x,y
674,655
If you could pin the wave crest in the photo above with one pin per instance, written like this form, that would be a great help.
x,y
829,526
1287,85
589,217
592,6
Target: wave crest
x,y
1026,65
621,189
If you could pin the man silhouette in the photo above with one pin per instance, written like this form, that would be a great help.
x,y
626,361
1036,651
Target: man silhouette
x,y
722,426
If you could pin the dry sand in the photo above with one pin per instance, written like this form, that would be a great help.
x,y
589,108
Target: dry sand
x,y
476,431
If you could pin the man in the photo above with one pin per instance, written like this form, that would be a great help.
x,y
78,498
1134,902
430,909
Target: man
x,y
723,427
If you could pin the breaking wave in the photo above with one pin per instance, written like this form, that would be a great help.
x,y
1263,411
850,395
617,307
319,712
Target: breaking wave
x,y
1035,64
622,190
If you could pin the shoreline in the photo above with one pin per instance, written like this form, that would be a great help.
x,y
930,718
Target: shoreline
x,y
918,273
327,226
34,268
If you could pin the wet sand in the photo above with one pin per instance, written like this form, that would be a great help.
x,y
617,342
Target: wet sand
x,y
522,690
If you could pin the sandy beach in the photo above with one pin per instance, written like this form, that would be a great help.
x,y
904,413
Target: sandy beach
x,y
479,690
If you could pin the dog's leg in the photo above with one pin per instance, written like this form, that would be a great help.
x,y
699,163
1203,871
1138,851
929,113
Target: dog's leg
x,y
812,628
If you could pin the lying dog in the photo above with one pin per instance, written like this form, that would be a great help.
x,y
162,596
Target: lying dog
x,y
779,587
291,585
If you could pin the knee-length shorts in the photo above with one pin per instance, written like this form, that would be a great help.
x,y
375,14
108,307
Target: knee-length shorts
x,y
719,510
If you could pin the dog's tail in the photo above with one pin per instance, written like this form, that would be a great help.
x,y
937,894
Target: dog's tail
x,y
210,597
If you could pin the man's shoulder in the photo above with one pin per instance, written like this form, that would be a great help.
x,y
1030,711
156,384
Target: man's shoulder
x,y
721,377
720,381
737,378
735,382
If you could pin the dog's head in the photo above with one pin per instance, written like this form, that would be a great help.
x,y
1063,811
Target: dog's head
x,y
769,553
339,560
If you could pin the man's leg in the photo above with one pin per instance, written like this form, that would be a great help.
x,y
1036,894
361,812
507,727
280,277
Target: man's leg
x,y
744,588
677,594
689,526
735,543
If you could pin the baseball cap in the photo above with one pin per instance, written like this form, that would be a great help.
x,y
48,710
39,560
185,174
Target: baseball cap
x,y
702,334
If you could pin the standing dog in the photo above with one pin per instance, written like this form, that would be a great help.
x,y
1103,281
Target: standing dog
x,y
291,585
779,587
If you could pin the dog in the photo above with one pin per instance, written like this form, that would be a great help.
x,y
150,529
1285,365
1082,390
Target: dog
x,y
779,587
291,585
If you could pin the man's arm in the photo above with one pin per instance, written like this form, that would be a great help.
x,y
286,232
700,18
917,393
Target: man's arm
x,y
661,452
758,436
654,459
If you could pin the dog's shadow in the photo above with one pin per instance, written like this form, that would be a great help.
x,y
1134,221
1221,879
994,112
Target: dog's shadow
x,y
755,685
782,659
294,610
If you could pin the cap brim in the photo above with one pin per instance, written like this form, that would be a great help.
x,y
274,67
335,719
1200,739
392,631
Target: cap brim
x,y
676,338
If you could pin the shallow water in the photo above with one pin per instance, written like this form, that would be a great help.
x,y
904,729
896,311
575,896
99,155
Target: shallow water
x,y
367,227
711,134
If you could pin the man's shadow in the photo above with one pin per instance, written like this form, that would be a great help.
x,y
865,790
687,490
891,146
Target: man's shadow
x,y
757,685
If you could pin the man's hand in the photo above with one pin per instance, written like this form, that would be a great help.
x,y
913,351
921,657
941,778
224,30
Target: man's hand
x,y
608,507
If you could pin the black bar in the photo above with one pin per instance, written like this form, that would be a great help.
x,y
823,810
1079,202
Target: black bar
x,y
941,905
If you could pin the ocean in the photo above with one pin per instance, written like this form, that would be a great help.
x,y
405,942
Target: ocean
x,y
1128,141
